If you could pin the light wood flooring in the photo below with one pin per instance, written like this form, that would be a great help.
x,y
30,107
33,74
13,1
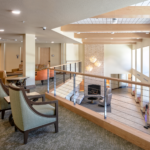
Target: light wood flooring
x,y
124,109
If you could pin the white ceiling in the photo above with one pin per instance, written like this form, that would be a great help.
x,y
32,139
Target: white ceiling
x,y
52,14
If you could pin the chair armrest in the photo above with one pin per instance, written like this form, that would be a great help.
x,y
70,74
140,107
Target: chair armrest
x,y
44,103
27,90
37,96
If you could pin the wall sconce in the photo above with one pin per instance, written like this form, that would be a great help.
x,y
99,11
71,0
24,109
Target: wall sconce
x,y
89,68
97,63
93,59
17,56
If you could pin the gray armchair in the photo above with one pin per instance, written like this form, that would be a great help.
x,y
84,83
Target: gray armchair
x,y
29,115
108,98
3,104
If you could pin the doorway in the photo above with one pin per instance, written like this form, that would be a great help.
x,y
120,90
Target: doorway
x,y
45,56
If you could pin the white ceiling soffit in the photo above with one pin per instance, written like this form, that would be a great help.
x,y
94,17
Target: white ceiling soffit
x,y
67,34
52,14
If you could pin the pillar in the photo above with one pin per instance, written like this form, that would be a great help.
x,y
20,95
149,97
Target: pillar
x,y
29,59
3,57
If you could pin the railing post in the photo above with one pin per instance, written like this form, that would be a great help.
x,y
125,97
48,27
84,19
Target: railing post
x,y
47,80
64,74
70,70
105,102
54,83
74,88
75,67
80,67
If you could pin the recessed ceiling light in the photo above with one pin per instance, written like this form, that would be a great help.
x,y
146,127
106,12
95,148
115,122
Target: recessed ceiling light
x,y
137,38
21,41
112,32
23,21
16,12
85,38
78,32
112,38
15,39
0,38
1,30
147,32
52,42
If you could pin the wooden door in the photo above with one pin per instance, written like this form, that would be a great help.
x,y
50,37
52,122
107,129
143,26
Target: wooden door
x,y
45,55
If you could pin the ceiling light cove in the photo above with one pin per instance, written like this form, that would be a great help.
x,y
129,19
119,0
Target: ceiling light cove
x,y
1,30
112,32
16,12
137,38
78,32
111,38
52,42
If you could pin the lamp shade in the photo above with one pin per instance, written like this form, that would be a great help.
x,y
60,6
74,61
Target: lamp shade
x,y
97,63
93,59
89,68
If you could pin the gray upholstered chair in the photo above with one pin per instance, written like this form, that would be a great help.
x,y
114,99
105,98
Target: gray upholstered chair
x,y
3,104
108,98
29,115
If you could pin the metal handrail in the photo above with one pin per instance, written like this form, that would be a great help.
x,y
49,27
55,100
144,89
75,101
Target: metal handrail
x,y
102,77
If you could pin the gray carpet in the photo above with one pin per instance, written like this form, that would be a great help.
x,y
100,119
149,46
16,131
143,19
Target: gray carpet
x,y
75,133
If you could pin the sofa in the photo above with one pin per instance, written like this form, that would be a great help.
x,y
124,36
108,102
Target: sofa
x,y
42,75
38,67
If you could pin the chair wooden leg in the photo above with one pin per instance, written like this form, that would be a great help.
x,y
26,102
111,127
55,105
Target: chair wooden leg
x,y
15,129
56,126
25,136
3,113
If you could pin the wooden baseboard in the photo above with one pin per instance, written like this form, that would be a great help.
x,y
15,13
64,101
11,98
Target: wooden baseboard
x,y
126,132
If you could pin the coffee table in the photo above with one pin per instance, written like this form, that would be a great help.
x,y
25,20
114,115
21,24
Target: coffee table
x,y
92,99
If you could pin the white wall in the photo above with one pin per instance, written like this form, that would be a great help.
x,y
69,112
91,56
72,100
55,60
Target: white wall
x,y
12,49
72,52
55,49
117,59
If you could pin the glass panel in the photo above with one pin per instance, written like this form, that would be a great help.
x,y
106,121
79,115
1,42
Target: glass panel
x,y
139,60
146,61
133,59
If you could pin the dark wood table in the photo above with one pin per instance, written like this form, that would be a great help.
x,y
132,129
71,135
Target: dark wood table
x,y
92,99
14,74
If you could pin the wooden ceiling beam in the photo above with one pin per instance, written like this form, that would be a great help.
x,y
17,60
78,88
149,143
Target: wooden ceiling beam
x,y
111,40
105,27
109,35
128,12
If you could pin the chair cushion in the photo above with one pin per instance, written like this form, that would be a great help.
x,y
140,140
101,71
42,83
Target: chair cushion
x,y
45,109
